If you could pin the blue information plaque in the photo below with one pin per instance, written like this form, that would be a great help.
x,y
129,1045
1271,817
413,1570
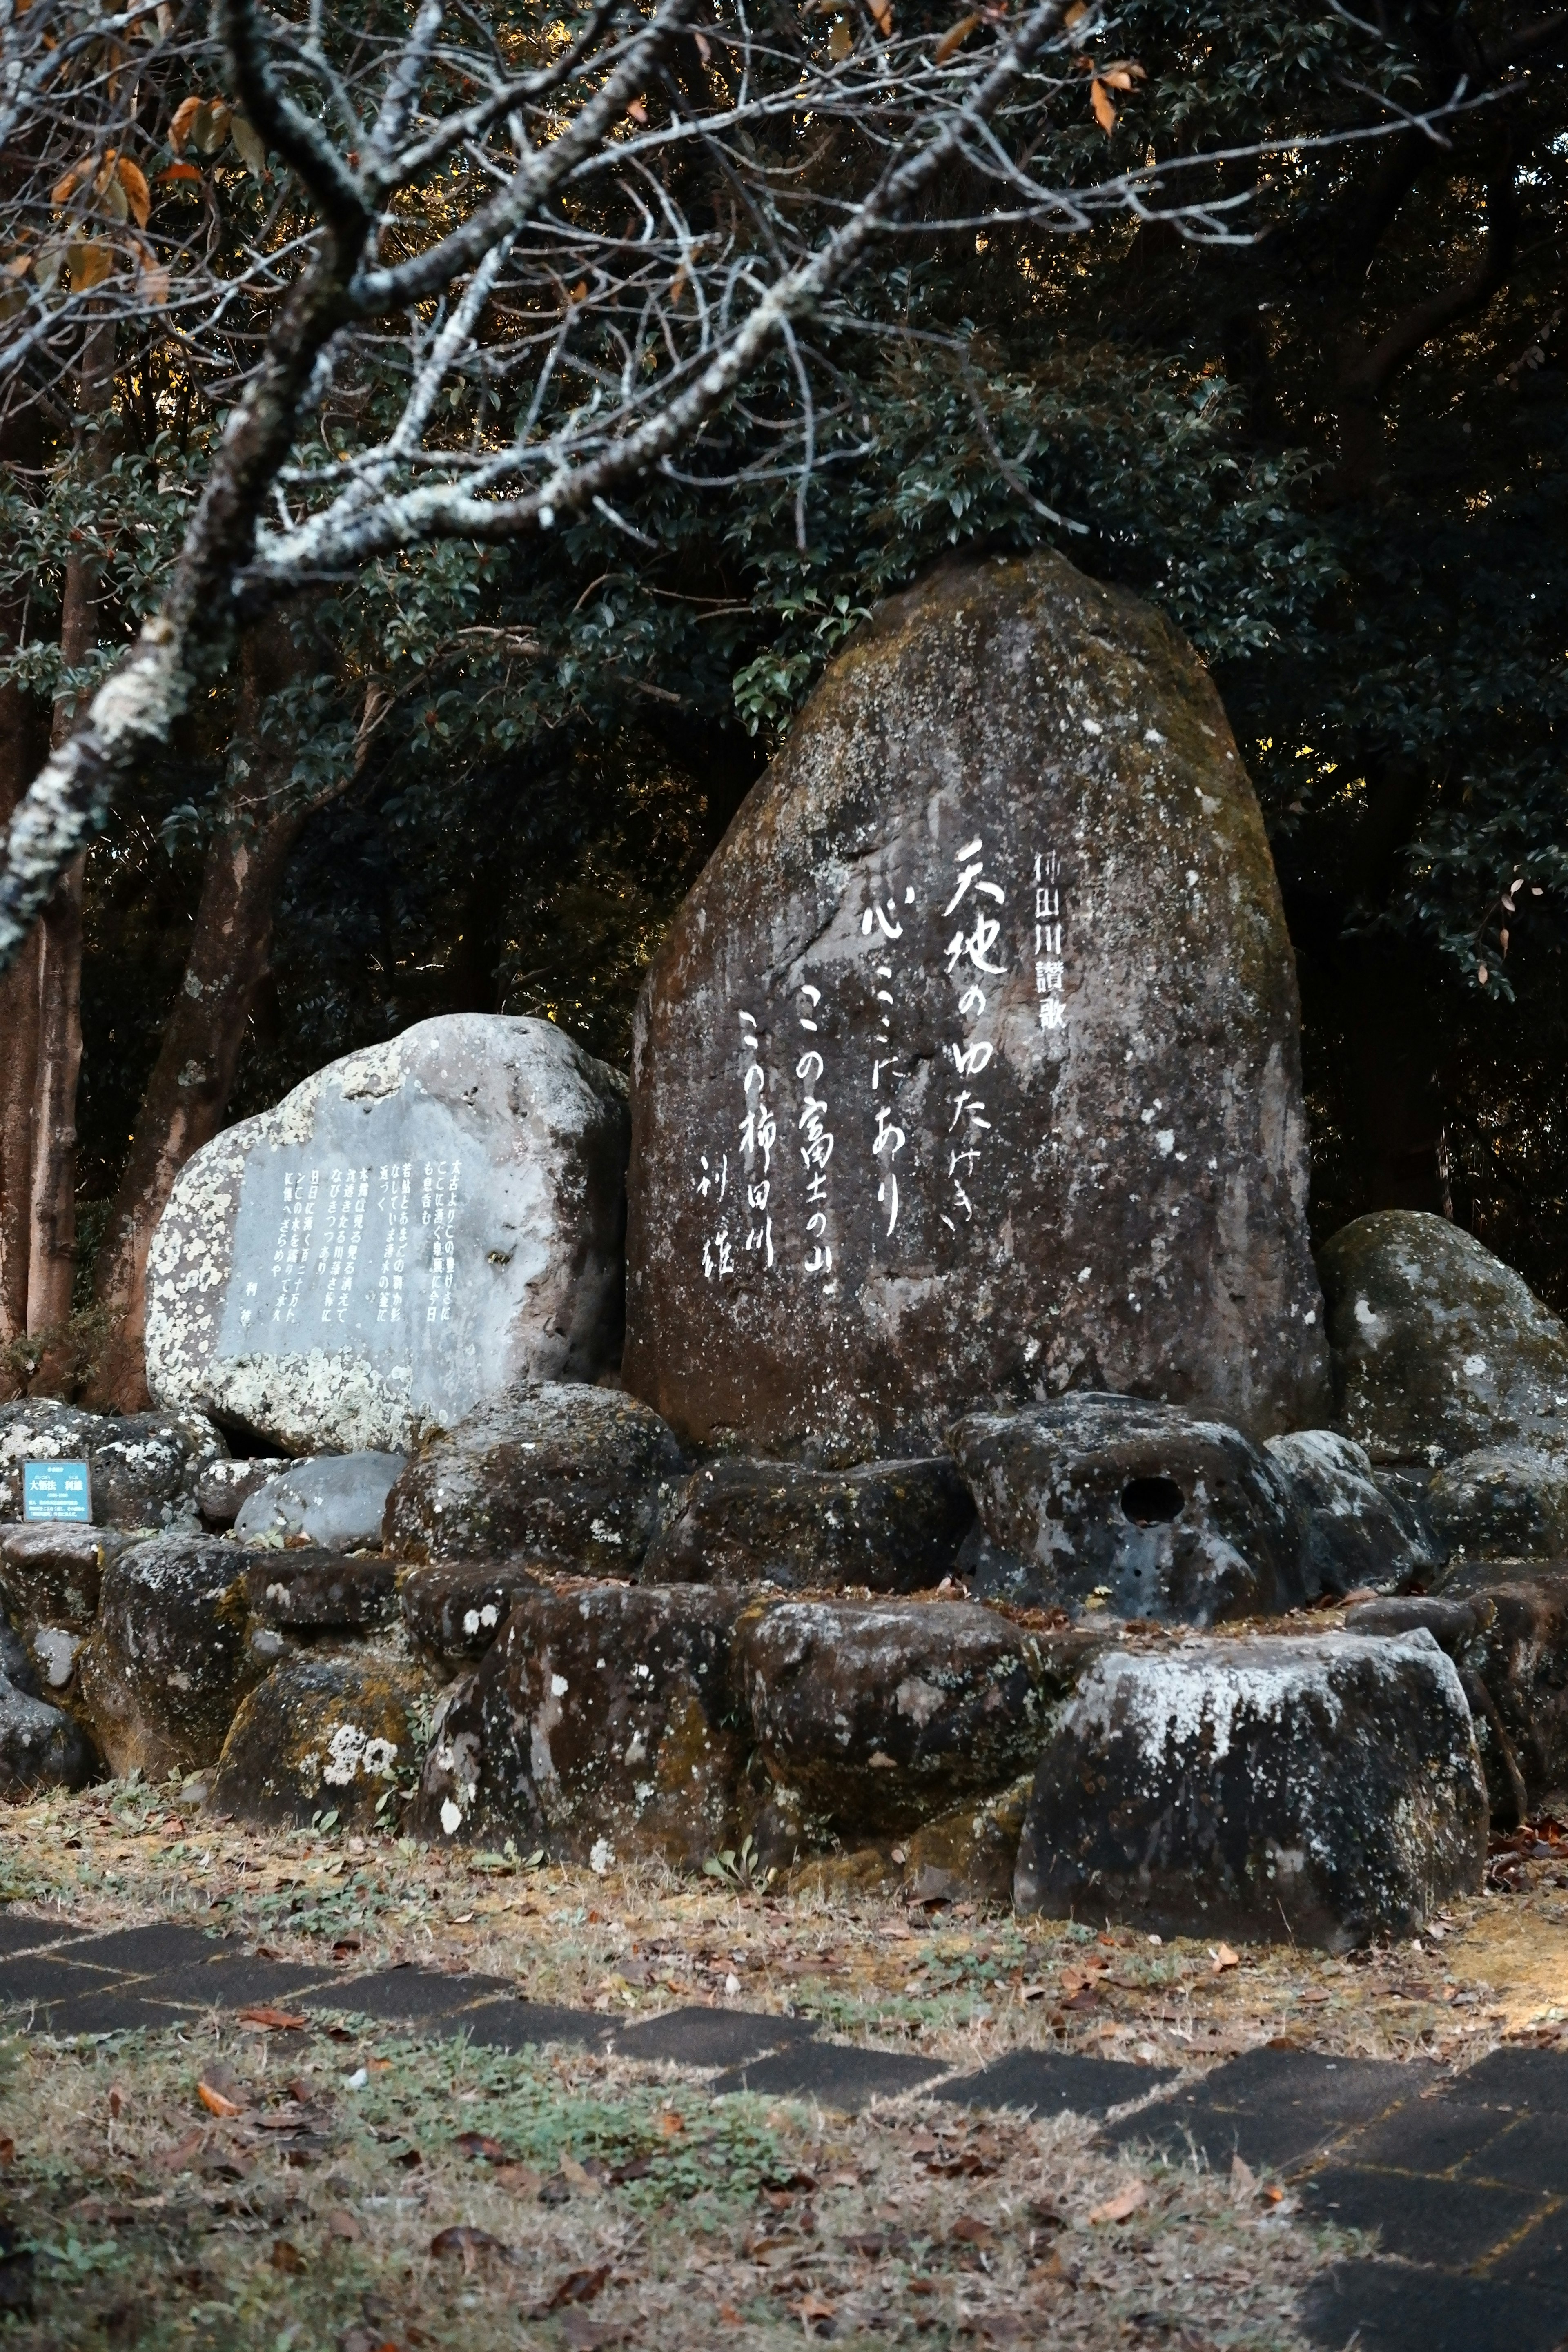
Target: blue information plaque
x,y
56,1490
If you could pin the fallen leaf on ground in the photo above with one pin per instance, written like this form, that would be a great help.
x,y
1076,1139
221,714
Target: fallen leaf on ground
x,y
286,2257
178,2157
341,2224
578,2286
217,2102
275,2021
1242,2180
479,2144
469,2242
1222,1958
1125,2202
669,2122
577,2174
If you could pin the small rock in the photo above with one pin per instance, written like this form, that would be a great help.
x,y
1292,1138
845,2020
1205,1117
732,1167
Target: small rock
x,y
50,1571
894,1527
40,1747
969,1855
874,1715
453,1612
1136,1509
417,1227
1438,1346
1501,1502
565,1476
224,1487
599,1726
172,1655
320,1734
337,1500
1327,1789
144,1466
313,1590
1357,1531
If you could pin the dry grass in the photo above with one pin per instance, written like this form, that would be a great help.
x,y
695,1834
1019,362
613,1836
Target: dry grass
x,y
624,2204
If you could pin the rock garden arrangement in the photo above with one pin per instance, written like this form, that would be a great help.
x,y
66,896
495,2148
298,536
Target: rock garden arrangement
x,y
908,1436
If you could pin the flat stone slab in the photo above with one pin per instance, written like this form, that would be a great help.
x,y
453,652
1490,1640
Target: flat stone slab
x,y
46,1976
1516,2077
836,2072
25,1931
1056,2083
1449,2225
144,1951
113,2011
409,1996
1384,2306
241,1982
531,2026
710,2037
1273,2108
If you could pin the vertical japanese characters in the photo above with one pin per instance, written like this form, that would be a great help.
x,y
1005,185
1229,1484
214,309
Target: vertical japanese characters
x,y
881,921
396,1180
438,1214
1049,967
816,1143
972,963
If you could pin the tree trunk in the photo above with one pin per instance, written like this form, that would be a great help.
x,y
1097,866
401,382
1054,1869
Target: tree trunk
x,y
23,743
187,1094
22,739
51,1258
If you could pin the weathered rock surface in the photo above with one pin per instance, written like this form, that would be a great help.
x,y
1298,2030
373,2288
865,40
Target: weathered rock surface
x,y
966,1856
145,1466
417,1227
893,1527
224,1486
1108,1503
320,1735
1507,1631
1358,1532
315,1591
40,1747
1438,1348
172,1655
453,1612
50,1572
600,1725
1501,1502
879,1715
1326,1788
969,1069
337,1500
562,1475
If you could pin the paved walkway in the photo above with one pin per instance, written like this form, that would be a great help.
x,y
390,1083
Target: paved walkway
x,y
1465,2178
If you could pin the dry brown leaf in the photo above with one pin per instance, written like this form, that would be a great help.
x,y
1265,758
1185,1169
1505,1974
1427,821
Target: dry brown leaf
x,y
1222,1958
65,188
882,16
1104,112
217,2102
180,122
575,2173
956,36
638,110
1126,2202
578,2286
344,2225
840,40
138,194
277,2021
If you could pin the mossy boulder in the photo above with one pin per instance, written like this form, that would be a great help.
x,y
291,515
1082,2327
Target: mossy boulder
x,y
599,1726
891,1526
322,1735
172,1653
969,1069
562,1476
1438,1346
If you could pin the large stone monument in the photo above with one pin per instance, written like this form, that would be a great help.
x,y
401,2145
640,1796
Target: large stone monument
x,y
969,1069
414,1229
